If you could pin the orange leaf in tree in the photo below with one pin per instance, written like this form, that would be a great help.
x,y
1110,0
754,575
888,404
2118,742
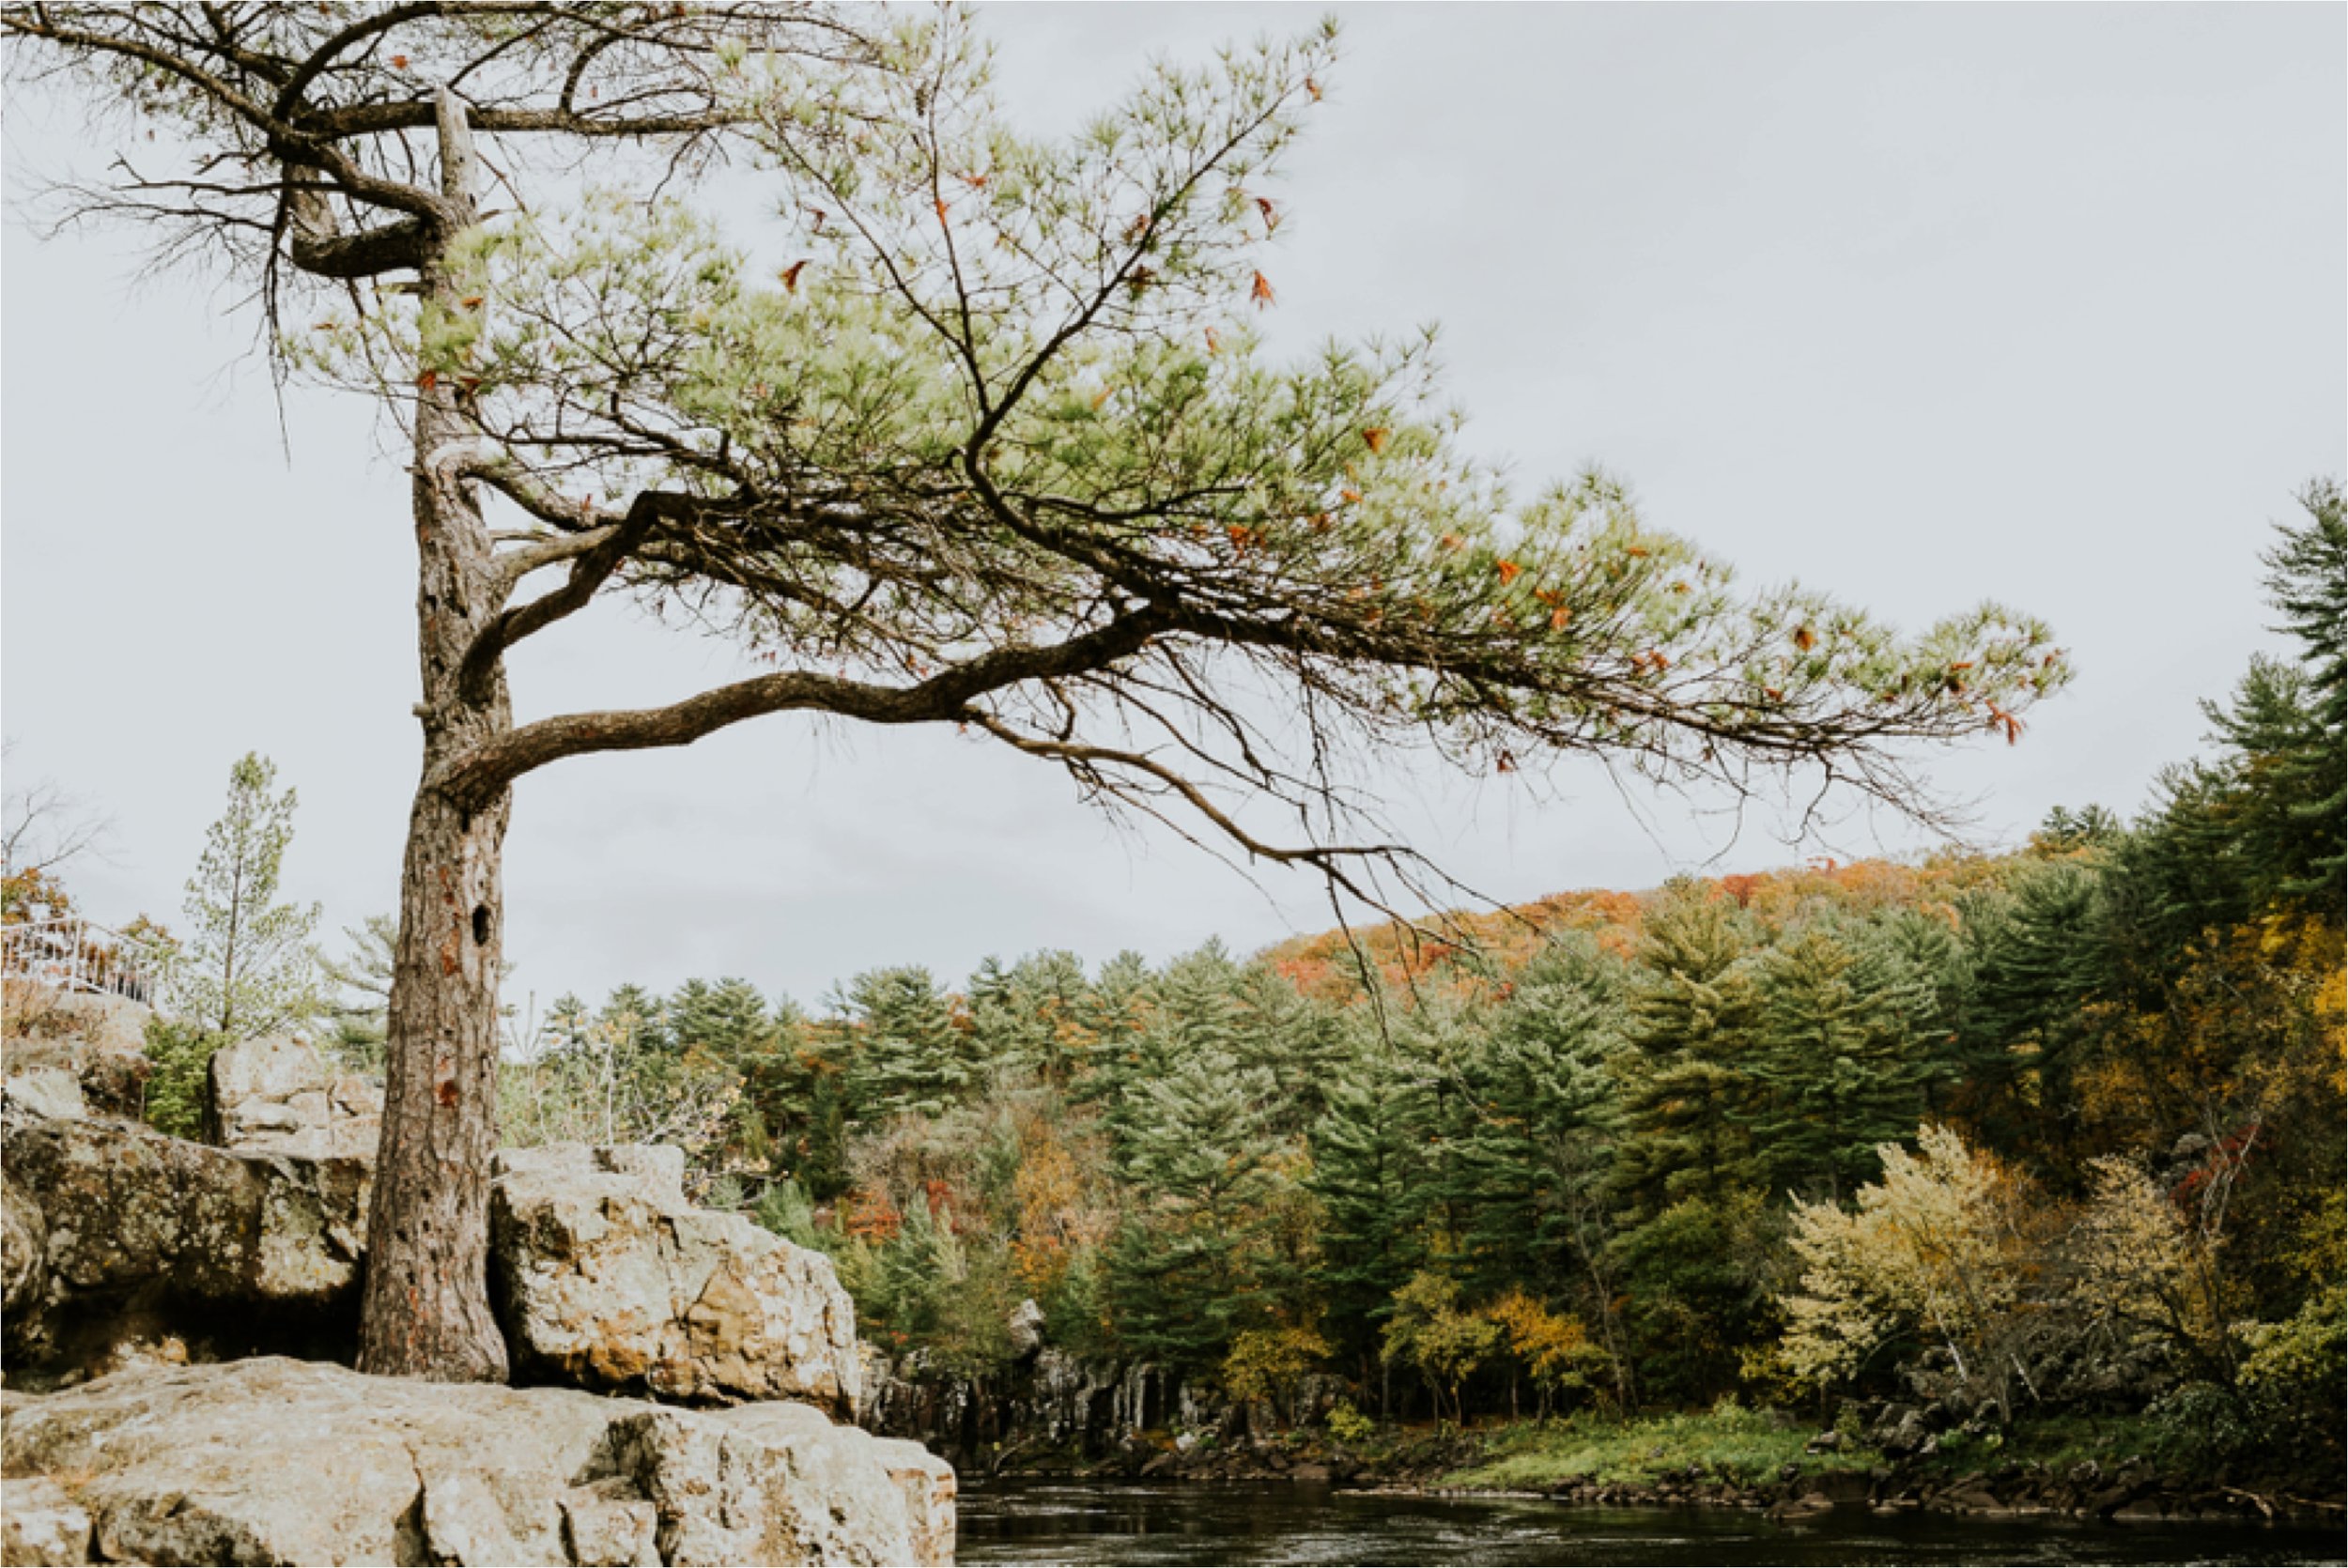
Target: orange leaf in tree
x,y
1453,541
791,275
1558,617
1214,342
1635,549
1773,694
1506,763
1507,570
940,204
1661,662
1804,638
470,301
1313,87
323,325
399,62
818,214
428,380
1271,213
1353,496
1261,293
1679,588
1962,663
1100,397
1320,522
976,182
1376,436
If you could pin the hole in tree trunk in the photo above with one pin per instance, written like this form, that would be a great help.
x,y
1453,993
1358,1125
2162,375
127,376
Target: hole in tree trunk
x,y
480,925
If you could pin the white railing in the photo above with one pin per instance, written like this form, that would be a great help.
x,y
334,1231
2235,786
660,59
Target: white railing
x,y
74,954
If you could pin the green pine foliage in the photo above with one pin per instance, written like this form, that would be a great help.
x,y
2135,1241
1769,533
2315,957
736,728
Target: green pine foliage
x,y
245,967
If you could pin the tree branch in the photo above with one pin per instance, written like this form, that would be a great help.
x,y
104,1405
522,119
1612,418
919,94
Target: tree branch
x,y
475,778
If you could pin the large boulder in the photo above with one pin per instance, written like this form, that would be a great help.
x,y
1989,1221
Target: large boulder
x,y
607,1278
96,1043
113,1237
280,1096
279,1461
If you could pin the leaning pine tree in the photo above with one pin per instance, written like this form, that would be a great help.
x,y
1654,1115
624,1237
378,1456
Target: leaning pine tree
x,y
990,442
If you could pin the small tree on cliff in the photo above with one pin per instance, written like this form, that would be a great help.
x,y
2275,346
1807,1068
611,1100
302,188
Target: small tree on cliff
x,y
989,444
246,967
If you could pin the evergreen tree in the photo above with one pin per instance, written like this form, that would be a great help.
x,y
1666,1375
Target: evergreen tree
x,y
728,1018
1836,1061
909,1055
1372,1170
1188,1267
2037,958
1688,1084
1035,1015
1531,1162
245,968
2307,580
360,1015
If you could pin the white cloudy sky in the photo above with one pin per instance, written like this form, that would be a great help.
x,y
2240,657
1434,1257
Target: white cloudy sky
x,y
1921,305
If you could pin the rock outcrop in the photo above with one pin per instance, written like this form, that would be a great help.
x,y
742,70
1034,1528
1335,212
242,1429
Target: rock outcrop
x,y
277,1461
95,1044
116,1241
607,1278
280,1096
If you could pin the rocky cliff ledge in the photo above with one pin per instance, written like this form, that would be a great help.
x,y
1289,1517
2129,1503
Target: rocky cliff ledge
x,y
174,1311
271,1460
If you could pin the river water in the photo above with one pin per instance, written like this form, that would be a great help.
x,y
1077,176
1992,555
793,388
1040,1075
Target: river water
x,y
1202,1523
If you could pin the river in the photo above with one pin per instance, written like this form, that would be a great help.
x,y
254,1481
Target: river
x,y
1199,1523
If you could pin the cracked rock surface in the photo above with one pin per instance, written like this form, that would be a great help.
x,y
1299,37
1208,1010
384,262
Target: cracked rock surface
x,y
271,1460
117,1237
607,1278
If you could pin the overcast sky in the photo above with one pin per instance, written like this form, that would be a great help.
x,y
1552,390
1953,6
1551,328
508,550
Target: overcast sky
x,y
1920,305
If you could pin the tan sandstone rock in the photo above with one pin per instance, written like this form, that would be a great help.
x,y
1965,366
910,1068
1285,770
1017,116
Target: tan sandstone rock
x,y
282,1095
611,1279
99,1043
277,1461
40,1525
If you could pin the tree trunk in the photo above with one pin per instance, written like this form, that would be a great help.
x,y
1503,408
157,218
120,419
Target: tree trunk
x,y
425,1309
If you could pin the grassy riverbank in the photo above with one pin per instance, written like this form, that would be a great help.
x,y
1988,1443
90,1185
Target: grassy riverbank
x,y
1733,1456
1731,1443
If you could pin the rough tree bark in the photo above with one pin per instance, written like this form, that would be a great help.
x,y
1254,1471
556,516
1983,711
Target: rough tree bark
x,y
425,1311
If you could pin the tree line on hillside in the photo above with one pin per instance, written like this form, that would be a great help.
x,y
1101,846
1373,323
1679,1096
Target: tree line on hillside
x,y
2059,1128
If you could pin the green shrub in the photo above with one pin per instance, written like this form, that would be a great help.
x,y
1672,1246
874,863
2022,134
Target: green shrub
x,y
175,1089
1347,1424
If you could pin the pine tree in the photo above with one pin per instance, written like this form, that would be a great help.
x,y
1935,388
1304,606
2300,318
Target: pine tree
x,y
2038,956
2307,581
1836,1061
1188,1267
246,968
1373,1172
1531,1161
728,1018
1035,1015
361,1015
1688,1083
909,1055
1193,1009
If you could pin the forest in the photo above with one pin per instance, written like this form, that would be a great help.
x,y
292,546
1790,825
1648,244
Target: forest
x,y
2051,1130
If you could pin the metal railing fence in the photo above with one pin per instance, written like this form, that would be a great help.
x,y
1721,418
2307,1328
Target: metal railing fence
x,y
79,955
